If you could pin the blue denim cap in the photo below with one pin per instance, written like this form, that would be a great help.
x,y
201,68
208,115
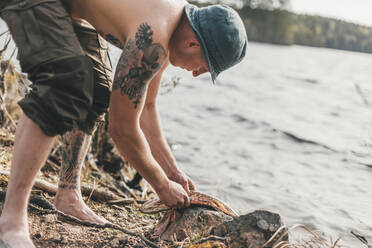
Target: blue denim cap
x,y
221,34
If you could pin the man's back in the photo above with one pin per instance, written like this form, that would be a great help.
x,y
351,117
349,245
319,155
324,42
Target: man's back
x,y
119,19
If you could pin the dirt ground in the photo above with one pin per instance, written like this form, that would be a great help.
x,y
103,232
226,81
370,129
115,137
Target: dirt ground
x,y
52,230
49,231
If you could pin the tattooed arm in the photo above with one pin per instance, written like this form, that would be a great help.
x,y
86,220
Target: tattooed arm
x,y
140,61
151,126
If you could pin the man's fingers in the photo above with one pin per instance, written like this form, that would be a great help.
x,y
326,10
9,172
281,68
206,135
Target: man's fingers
x,y
186,187
187,201
191,185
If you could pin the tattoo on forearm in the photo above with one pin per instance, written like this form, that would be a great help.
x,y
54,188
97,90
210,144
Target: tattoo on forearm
x,y
114,41
76,144
139,62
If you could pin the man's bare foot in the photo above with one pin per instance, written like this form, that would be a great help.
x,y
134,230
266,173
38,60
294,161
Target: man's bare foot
x,y
14,233
16,239
70,202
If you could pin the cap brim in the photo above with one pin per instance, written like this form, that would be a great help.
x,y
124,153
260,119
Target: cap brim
x,y
193,17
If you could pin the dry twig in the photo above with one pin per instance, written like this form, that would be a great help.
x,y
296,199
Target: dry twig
x,y
213,238
99,195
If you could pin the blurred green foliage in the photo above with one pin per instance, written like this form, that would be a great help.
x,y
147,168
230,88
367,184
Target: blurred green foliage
x,y
264,4
279,26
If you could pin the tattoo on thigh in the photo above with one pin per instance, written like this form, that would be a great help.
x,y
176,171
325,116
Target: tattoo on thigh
x,y
76,144
139,62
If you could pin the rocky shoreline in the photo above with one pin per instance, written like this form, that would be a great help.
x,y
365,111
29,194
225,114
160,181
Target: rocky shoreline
x,y
196,226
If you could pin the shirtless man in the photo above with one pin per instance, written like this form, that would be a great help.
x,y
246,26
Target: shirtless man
x,y
64,100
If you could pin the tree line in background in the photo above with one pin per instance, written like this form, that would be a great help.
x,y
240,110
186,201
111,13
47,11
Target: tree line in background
x,y
270,21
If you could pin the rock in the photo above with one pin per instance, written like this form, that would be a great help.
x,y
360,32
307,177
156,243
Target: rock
x,y
49,218
119,241
251,230
64,240
38,235
190,222
115,242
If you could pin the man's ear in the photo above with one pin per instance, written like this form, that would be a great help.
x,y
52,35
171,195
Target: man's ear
x,y
192,42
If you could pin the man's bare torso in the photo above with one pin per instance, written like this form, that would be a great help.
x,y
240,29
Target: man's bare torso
x,y
118,20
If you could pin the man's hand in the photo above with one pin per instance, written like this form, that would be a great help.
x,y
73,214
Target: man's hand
x,y
173,195
183,180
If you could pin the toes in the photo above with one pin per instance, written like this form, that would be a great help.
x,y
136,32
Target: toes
x,y
101,220
83,212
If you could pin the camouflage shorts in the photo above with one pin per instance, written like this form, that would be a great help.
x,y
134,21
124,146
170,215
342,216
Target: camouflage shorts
x,y
66,61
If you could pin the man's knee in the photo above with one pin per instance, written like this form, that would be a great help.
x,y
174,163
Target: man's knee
x,y
61,95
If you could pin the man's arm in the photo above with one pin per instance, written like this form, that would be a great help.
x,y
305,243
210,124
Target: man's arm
x,y
151,126
141,59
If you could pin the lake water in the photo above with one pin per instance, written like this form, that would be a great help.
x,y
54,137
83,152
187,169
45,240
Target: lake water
x,y
287,130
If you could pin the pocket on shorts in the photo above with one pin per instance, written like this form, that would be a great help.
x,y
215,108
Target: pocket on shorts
x,y
42,31
56,25
24,27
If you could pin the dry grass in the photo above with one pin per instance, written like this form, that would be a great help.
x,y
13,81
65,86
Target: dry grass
x,y
313,240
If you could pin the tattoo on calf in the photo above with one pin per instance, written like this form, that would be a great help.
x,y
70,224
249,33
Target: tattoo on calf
x,y
114,41
139,62
76,144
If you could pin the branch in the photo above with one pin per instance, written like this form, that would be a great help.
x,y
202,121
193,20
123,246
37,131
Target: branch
x,y
99,195
214,238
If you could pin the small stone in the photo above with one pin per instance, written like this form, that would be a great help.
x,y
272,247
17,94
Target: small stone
x,y
38,235
273,227
263,224
64,240
115,242
119,241
49,218
123,240
75,229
